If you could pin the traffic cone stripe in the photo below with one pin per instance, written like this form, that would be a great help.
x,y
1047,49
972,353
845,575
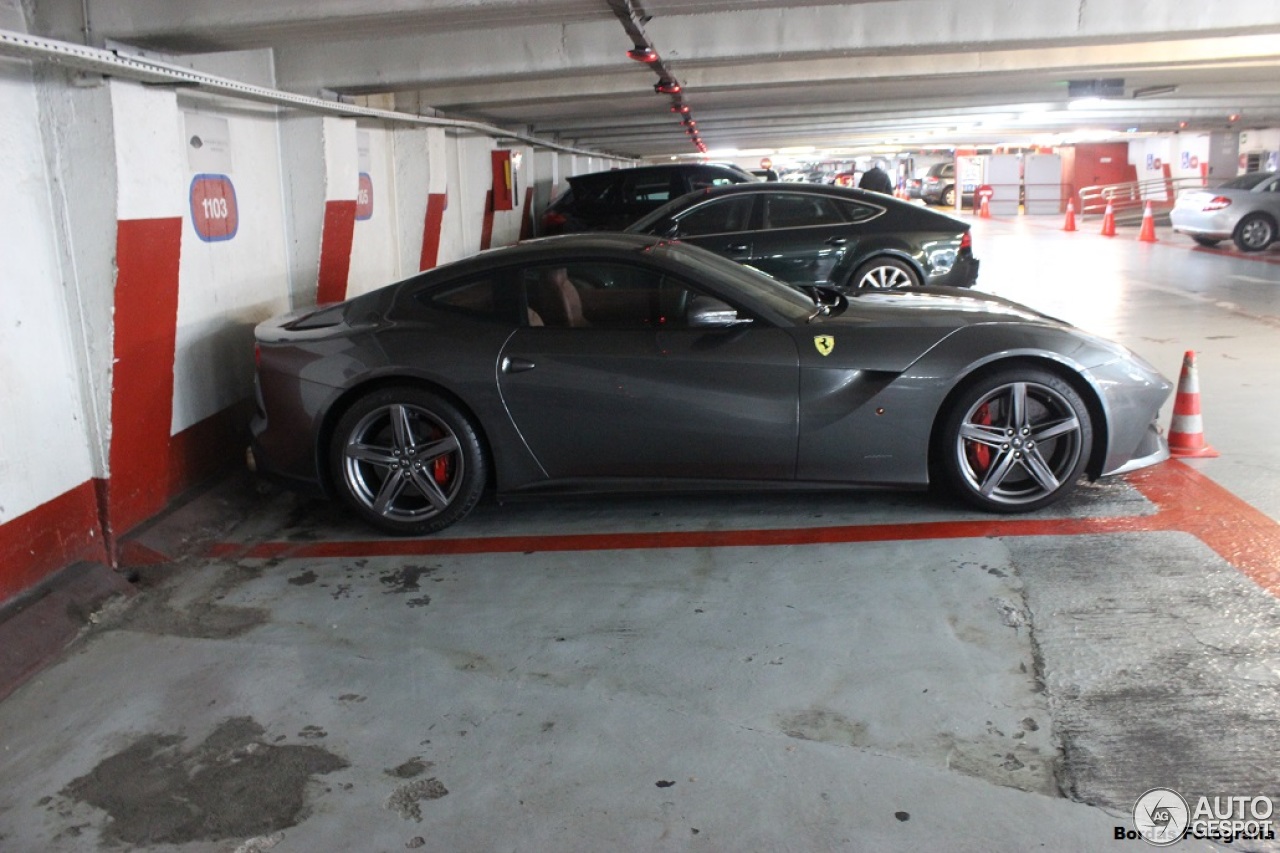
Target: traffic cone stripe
x,y
1070,224
1186,432
1148,233
1109,221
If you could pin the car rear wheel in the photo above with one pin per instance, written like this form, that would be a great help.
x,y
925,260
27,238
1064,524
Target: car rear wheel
x,y
949,197
1207,242
407,461
1254,233
1016,440
885,274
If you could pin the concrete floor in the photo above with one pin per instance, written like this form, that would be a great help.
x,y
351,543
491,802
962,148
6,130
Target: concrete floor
x,y
811,672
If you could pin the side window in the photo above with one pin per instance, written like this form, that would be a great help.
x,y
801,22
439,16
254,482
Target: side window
x,y
647,188
795,211
856,211
483,299
700,180
603,295
717,217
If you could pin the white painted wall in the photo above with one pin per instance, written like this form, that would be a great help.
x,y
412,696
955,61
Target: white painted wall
x,y
375,246
44,446
228,286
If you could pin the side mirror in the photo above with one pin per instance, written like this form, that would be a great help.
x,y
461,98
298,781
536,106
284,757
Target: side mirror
x,y
706,312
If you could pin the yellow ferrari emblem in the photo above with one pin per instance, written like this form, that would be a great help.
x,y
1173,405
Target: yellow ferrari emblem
x,y
824,343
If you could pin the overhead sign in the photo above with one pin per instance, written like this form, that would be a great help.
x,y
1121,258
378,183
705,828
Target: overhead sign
x,y
214,213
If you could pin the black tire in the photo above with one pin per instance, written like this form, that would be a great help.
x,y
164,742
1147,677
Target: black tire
x,y
407,461
884,273
1207,242
1016,440
1254,233
949,197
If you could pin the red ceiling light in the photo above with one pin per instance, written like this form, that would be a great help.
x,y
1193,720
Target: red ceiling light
x,y
667,87
679,108
1233,117
643,54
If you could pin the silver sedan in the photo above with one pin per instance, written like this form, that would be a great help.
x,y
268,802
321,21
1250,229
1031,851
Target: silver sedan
x,y
1245,210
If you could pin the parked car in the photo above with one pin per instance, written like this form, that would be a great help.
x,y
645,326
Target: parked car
x,y
914,187
939,186
610,201
812,234
766,174
1245,210
620,361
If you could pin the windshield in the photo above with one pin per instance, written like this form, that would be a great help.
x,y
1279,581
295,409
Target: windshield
x,y
1247,182
780,297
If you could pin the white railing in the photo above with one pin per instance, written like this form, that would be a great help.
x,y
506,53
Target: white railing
x,y
1134,195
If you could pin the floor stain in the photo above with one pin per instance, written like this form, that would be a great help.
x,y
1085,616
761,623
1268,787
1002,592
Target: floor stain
x,y
233,785
407,800
823,726
411,769
303,579
405,578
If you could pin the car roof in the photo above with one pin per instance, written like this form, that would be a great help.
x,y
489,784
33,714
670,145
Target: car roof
x,y
548,248
614,174
789,188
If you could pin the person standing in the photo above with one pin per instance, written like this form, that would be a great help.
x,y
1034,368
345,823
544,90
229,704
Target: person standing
x,y
877,180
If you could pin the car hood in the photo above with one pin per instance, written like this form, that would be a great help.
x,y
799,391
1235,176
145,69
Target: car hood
x,y
947,307
891,330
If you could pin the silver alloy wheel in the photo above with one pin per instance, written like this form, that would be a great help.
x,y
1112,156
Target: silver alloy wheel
x,y
403,463
1254,234
1019,443
885,274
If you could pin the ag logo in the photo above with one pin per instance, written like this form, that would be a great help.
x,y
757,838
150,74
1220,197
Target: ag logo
x,y
1161,816
824,343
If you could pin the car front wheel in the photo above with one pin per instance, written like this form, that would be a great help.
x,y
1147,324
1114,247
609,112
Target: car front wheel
x,y
1016,440
885,274
407,461
1254,233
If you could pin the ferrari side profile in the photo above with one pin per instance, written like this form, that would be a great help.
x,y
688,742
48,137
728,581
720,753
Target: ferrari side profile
x,y
607,362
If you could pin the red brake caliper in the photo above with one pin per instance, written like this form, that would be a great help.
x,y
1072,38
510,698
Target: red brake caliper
x,y
980,454
440,469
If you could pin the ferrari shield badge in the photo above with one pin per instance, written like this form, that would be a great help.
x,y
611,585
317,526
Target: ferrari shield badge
x,y
824,343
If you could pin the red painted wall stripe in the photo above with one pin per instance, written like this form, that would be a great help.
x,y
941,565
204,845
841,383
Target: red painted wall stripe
x,y
55,534
335,250
437,203
526,219
486,230
208,448
146,322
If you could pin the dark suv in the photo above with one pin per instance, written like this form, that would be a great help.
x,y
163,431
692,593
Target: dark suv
x,y
939,186
610,201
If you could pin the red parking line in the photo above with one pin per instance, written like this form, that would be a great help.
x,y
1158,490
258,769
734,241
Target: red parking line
x,y
1186,501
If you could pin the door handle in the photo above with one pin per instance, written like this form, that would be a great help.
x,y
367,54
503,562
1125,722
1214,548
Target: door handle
x,y
836,241
516,365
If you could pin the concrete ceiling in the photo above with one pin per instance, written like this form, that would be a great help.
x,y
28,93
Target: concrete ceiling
x,y
757,75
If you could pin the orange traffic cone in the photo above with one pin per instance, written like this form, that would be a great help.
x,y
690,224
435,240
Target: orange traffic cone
x,y
1186,432
1148,233
1070,224
985,211
1109,221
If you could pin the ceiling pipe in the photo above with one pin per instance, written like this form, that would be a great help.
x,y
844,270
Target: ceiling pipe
x,y
111,63
633,18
